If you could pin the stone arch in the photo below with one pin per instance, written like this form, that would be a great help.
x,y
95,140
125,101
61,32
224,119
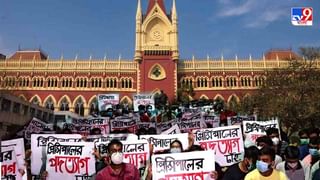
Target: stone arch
x,y
36,98
21,96
53,99
129,100
77,98
67,99
233,96
219,96
203,96
93,105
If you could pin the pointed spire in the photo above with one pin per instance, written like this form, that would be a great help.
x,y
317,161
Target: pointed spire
x,y
105,56
250,57
76,58
90,57
174,11
139,10
263,57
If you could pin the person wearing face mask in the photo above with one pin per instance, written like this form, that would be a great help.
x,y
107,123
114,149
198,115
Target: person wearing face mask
x,y
292,167
265,141
304,142
117,170
278,145
240,170
316,166
264,167
314,154
176,147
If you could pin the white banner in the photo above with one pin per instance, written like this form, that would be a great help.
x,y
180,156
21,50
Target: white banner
x,y
106,101
162,142
18,146
161,127
108,137
83,126
135,152
39,144
70,160
143,99
213,120
189,125
173,130
237,120
35,126
146,125
121,123
9,166
181,166
227,142
255,129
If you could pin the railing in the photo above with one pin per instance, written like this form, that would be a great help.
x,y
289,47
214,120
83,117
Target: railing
x,y
254,65
67,65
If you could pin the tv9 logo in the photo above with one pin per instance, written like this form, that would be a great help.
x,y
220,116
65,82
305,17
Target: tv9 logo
x,y
301,16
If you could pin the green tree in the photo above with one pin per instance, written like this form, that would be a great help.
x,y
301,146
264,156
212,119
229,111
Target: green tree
x,y
292,94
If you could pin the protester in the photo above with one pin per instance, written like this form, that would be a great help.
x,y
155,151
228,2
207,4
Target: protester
x,y
278,145
264,167
292,167
313,155
240,170
265,141
117,169
304,143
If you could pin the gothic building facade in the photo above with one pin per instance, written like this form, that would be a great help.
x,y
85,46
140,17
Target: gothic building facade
x,y
72,85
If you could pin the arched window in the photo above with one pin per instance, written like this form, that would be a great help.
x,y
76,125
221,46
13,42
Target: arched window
x,y
259,81
35,100
64,105
111,83
49,104
94,106
245,81
10,81
231,81
79,107
202,82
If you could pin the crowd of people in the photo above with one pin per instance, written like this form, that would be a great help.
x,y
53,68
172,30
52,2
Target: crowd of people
x,y
273,156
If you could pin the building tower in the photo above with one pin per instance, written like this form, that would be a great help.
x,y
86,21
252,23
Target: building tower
x,y
157,50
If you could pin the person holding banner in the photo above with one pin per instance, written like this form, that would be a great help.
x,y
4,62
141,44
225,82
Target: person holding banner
x,y
265,170
240,170
117,170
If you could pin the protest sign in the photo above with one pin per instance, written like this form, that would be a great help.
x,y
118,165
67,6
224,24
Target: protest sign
x,y
214,121
143,100
163,126
162,142
108,137
9,166
146,125
237,120
70,160
106,101
83,126
18,146
135,152
227,142
122,123
255,129
39,143
35,126
190,165
173,130
192,124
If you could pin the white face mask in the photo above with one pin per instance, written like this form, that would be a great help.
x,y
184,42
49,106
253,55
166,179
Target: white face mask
x,y
275,141
117,158
175,150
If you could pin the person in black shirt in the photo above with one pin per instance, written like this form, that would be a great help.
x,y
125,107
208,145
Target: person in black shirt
x,y
239,171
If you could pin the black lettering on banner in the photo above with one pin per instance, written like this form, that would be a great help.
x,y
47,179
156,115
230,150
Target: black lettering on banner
x,y
169,164
70,150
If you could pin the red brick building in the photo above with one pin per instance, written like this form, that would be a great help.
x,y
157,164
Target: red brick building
x,y
66,84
